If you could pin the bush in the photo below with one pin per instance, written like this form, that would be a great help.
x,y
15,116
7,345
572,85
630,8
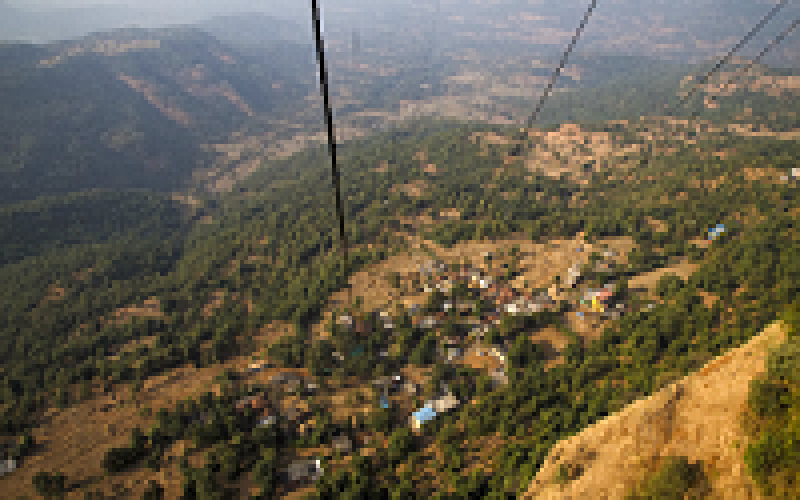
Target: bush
x,y
768,399
50,485
154,491
784,363
25,445
673,480
401,443
766,457
289,350
524,353
669,285
425,352
265,473
773,458
568,472
791,318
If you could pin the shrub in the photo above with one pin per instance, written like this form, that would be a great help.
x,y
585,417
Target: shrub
x,y
768,399
669,285
289,350
154,491
791,317
425,352
50,485
766,457
567,473
784,363
25,445
773,458
401,443
674,479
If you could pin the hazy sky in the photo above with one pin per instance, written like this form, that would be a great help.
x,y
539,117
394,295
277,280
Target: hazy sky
x,y
196,5
185,4
362,14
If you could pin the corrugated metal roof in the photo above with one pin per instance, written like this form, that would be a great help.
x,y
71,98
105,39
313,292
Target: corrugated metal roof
x,y
424,415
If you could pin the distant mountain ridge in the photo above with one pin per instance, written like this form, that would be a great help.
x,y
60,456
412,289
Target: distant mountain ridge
x,y
133,108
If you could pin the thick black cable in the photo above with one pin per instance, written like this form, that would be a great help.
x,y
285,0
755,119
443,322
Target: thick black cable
x,y
323,80
554,77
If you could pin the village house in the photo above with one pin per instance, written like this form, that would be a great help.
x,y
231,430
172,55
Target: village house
x,y
269,420
7,467
499,377
259,403
434,407
303,471
342,444
291,381
598,298
389,384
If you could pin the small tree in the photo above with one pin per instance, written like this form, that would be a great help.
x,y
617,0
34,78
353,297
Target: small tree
x,y
154,491
50,485
669,285
674,479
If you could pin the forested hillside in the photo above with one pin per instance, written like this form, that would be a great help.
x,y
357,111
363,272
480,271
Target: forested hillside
x,y
130,109
127,299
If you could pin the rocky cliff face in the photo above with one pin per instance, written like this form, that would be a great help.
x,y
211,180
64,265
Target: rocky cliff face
x,y
697,417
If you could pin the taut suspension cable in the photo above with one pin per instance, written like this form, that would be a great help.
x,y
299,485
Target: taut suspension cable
x,y
518,148
323,80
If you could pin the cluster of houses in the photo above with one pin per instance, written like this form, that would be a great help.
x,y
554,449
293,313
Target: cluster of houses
x,y
503,300
598,300
296,413
289,382
506,299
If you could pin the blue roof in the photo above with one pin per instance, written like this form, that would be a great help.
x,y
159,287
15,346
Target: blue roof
x,y
384,402
425,414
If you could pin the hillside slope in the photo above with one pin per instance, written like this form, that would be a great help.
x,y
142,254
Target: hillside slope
x,y
696,417
131,108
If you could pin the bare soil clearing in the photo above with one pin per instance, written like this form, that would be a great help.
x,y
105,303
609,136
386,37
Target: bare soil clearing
x,y
648,281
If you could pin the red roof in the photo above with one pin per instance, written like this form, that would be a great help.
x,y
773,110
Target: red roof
x,y
604,295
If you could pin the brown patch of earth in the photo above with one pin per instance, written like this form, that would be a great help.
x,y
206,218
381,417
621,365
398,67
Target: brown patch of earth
x,y
659,225
413,188
648,281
